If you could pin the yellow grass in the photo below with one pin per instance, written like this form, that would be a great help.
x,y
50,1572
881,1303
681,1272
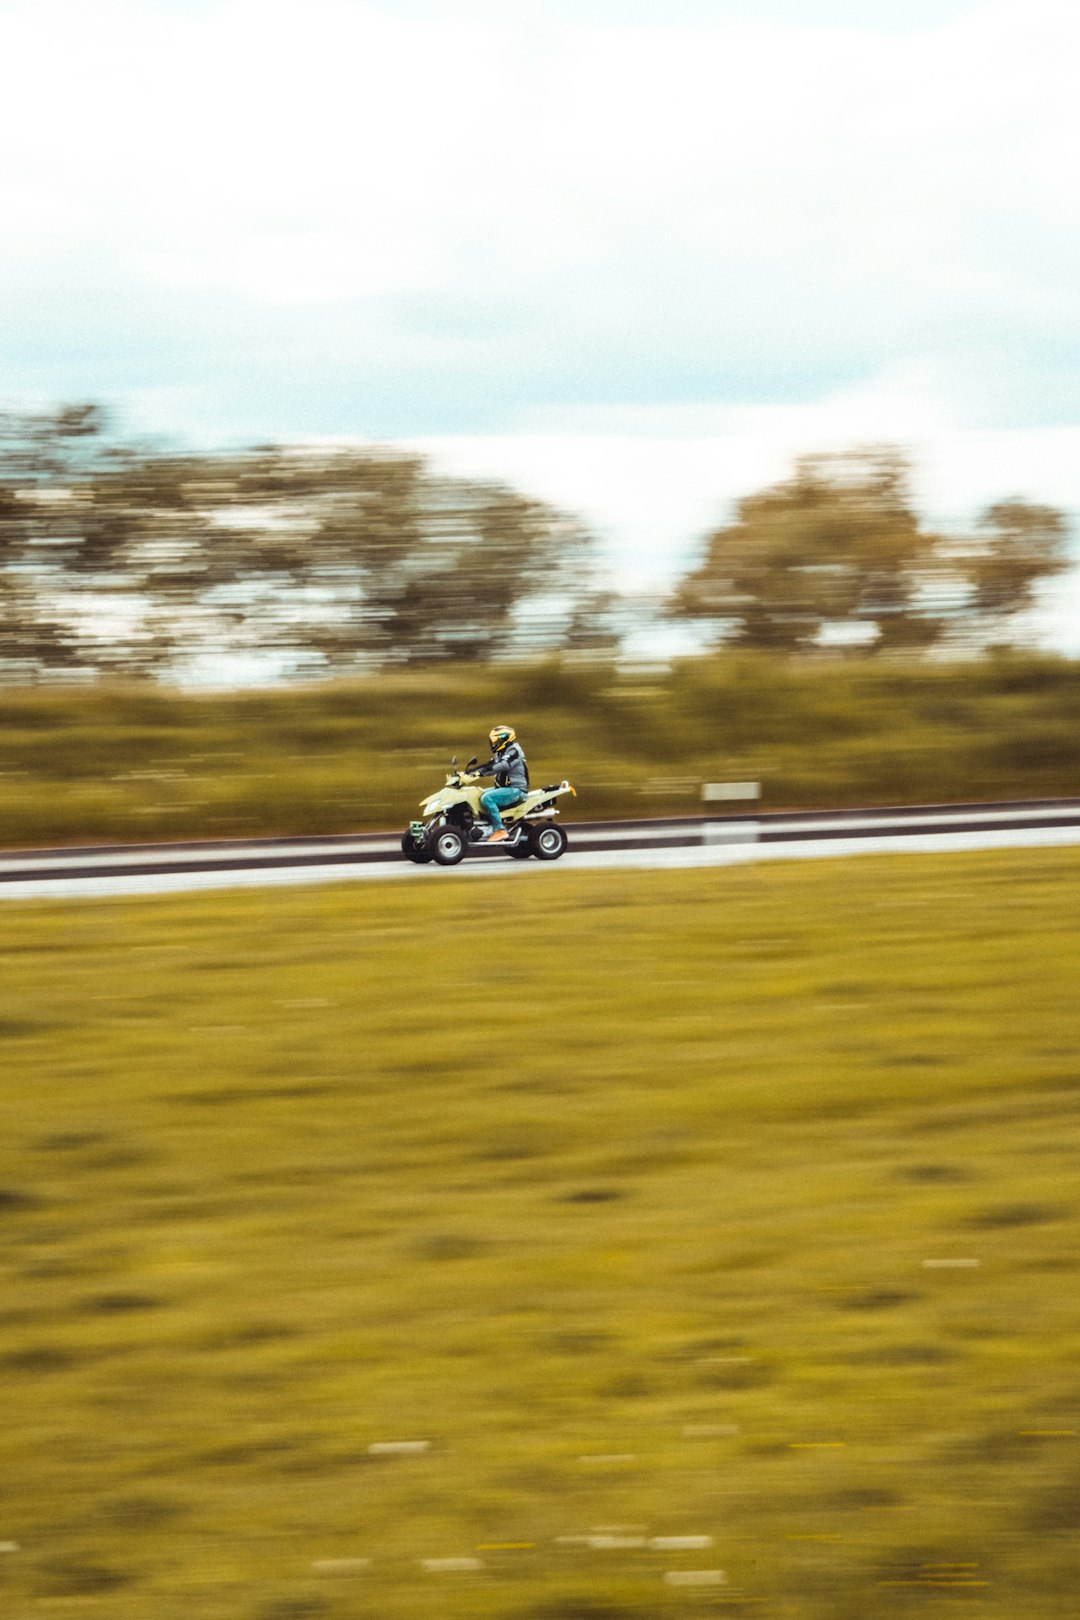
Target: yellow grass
x,y
735,1205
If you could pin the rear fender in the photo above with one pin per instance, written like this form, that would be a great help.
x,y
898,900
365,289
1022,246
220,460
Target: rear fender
x,y
540,804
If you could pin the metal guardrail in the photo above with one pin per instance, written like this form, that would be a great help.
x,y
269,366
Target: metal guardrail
x,y
764,827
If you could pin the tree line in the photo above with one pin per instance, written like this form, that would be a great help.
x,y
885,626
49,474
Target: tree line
x,y
122,557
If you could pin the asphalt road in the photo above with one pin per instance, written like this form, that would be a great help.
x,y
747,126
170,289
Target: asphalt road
x,y
693,841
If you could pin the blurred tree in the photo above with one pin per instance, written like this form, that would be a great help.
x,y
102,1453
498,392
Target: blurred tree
x,y
37,447
1018,545
39,452
839,549
426,568
30,642
142,561
836,545
341,559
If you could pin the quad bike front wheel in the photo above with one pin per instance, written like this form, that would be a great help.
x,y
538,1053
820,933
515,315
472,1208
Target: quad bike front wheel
x,y
447,845
547,842
415,851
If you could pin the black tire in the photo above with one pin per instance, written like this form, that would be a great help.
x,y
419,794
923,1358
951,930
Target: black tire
x,y
522,849
415,852
548,841
447,845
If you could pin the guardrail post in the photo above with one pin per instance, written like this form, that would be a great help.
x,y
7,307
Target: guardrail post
x,y
729,831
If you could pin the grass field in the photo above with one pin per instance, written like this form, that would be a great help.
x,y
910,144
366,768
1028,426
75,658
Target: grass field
x,y
642,1244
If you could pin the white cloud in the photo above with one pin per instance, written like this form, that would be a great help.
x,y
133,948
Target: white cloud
x,y
407,152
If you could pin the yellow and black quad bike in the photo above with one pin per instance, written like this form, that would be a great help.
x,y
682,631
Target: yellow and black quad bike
x,y
453,821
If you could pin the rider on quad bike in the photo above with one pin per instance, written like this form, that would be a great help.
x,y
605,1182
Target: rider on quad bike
x,y
508,766
462,813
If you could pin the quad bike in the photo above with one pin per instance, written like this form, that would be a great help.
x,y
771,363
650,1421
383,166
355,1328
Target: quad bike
x,y
453,820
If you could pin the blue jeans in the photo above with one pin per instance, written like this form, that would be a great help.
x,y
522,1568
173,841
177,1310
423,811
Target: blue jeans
x,y
497,799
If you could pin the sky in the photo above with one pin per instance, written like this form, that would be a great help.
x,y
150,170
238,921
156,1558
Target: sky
x,y
632,255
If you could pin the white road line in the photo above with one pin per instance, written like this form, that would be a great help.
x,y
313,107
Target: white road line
x,y
88,862
914,818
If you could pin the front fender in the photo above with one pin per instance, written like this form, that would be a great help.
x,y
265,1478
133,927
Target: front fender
x,y
446,798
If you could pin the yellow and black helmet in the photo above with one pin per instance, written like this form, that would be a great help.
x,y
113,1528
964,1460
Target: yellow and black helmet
x,y
501,737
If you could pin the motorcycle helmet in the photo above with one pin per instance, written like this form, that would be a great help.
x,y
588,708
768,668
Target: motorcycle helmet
x,y
501,737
